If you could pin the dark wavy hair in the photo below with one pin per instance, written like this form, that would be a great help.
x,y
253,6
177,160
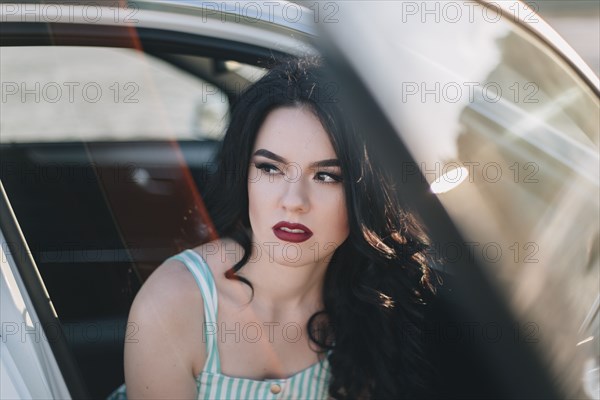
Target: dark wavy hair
x,y
379,280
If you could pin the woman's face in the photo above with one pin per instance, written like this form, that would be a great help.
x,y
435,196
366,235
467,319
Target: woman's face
x,y
294,177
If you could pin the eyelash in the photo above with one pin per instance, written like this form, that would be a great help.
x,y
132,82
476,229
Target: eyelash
x,y
265,166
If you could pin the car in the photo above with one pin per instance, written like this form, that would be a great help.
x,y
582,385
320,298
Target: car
x,y
112,115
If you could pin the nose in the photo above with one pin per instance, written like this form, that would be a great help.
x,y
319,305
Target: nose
x,y
295,196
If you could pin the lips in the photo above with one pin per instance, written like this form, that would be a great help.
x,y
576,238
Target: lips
x,y
289,232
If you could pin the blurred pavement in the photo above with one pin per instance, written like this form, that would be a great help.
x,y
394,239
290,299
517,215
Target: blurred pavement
x,y
578,22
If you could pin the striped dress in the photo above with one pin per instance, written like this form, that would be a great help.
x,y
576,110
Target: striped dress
x,y
310,383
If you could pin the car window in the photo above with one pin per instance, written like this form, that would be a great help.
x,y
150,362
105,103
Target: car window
x,y
96,93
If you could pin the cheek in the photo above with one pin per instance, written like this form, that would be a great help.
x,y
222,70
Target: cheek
x,y
259,198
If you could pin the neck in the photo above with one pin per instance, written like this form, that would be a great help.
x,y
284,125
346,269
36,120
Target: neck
x,y
281,289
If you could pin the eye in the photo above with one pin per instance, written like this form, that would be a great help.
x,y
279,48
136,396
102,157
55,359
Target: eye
x,y
267,168
326,177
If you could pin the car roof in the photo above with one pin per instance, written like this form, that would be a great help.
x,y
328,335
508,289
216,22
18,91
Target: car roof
x,y
270,13
261,24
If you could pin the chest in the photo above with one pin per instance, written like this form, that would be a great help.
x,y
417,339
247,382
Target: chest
x,y
258,348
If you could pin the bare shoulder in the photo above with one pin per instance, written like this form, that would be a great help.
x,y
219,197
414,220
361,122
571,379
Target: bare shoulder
x,y
169,287
170,305
166,351
173,287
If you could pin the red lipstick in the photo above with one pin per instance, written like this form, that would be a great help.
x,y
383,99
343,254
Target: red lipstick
x,y
295,233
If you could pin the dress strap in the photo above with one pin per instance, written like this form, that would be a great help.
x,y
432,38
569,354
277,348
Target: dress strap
x,y
205,280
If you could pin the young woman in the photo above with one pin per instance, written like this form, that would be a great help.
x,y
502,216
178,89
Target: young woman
x,y
316,286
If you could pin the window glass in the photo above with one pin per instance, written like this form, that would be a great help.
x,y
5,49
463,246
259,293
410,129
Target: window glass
x,y
54,94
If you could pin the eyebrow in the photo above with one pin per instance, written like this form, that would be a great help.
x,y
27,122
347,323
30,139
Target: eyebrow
x,y
333,162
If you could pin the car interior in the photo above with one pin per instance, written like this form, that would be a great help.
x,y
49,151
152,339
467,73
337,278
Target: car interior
x,y
84,205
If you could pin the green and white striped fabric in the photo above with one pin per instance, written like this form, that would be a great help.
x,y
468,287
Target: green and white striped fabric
x,y
310,383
